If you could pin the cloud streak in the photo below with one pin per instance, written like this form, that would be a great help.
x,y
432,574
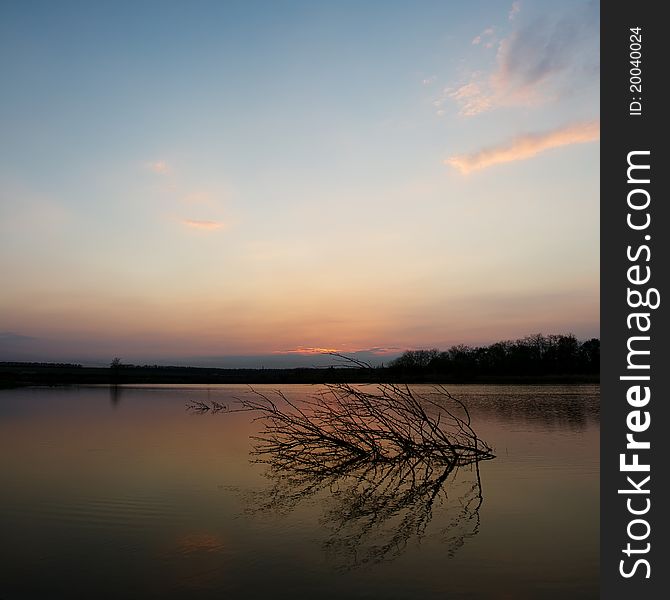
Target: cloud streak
x,y
11,337
204,225
526,146
376,350
307,350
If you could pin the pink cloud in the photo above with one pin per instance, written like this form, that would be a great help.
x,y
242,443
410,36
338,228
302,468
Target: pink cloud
x,y
207,225
514,10
487,33
307,350
159,166
505,86
526,146
473,98
532,64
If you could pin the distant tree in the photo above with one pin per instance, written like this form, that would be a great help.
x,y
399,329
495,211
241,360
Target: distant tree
x,y
496,358
567,353
416,359
463,359
535,354
589,354
116,363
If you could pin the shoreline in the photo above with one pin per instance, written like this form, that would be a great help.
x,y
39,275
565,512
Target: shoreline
x,y
23,375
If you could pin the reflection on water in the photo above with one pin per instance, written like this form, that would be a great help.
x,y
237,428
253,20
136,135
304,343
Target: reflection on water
x,y
374,517
379,459
115,392
122,494
574,409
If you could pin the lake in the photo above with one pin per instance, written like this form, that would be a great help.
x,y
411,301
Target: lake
x,y
125,493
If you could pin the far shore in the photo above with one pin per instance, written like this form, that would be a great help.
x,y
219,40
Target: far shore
x,y
40,374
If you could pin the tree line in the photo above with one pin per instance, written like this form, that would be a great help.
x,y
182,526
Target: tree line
x,y
532,355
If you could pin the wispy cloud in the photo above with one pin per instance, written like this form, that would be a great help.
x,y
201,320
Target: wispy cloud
x,y
526,146
382,350
11,337
360,353
485,35
206,225
531,63
473,97
158,166
307,350
514,10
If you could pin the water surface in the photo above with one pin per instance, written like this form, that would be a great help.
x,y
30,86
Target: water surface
x,y
123,493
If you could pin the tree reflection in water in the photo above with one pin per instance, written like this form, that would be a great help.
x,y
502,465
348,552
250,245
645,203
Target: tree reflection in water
x,y
381,459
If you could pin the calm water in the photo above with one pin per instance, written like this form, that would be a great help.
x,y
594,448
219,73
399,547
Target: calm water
x,y
126,494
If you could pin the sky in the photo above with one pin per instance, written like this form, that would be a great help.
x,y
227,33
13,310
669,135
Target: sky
x,y
196,182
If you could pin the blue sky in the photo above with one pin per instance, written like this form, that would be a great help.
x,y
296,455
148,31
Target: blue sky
x,y
254,178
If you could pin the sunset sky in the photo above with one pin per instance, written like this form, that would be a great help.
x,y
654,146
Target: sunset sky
x,y
185,181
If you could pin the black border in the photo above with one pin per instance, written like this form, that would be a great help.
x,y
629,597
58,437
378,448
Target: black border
x,y
620,134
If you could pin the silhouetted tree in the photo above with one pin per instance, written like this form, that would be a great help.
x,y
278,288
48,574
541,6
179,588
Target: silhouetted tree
x,y
589,353
115,369
536,354
417,359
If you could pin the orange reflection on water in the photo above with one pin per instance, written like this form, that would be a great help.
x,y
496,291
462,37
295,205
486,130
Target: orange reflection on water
x,y
191,543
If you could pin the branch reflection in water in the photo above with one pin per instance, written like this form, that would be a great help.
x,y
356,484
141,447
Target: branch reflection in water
x,y
384,458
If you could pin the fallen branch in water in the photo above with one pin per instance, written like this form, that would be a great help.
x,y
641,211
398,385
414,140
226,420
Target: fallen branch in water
x,y
200,407
347,424
380,457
